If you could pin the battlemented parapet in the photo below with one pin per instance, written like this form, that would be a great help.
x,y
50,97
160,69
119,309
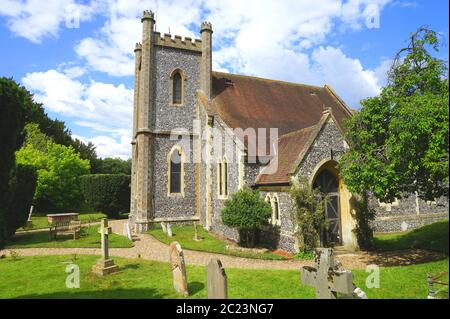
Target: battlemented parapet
x,y
177,42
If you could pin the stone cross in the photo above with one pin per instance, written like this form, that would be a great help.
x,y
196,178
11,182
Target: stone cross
x,y
178,268
328,278
105,265
217,285
169,230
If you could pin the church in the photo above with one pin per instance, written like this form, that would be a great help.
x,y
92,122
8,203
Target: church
x,y
200,135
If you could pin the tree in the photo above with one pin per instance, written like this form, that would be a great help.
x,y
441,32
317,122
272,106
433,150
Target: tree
x,y
55,129
108,193
399,140
59,168
309,214
248,212
112,166
13,101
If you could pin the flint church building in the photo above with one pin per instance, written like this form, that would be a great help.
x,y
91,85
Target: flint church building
x,y
176,90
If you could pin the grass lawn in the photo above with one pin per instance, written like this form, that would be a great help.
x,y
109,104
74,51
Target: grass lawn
x,y
40,222
90,238
185,236
147,279
432,237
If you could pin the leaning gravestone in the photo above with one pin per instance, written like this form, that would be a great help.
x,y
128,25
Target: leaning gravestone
x,y
328,278
29,221
169,229
178,268
217,285
31,212
105,265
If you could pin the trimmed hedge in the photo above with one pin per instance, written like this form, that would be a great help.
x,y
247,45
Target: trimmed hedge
x,y
21,191
248,212
108,193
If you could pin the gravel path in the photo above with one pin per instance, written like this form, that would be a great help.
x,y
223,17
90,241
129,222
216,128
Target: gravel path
x,y
151,249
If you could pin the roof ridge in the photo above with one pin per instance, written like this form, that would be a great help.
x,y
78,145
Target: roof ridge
x,y
270,80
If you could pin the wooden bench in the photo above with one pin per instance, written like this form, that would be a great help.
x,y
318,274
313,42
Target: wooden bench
x,y
72,227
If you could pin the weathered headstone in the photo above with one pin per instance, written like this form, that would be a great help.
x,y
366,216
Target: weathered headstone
x,y
328,278
178,268
31,212
404,226
105,265
217,284
127,231
29,221
196,238
169,229
164,227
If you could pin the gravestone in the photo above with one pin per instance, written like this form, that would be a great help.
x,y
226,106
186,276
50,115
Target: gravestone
x,y
178,268
29,221
196,238
127,231
217,284
31,212
105,265
404,226
164,227
169,229
328,278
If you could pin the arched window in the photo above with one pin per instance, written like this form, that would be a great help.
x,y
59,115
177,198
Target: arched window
x,y
225,177
175,173
177,87
222,178
276,211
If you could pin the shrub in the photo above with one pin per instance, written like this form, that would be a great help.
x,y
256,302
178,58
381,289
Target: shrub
x,y
108,193
309,214
21,191
59,168
364,215
248,212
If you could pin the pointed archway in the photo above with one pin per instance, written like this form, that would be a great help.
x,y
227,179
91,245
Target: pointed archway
x,y
339,210
328,184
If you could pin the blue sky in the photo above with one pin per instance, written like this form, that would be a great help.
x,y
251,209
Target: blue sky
x,y
77,56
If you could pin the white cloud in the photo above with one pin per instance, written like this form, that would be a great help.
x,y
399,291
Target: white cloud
x,y
347,76
405,4
36,19
106,146
111,51
283,40
99,106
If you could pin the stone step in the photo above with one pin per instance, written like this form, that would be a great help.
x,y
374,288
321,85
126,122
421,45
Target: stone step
x,y
341,250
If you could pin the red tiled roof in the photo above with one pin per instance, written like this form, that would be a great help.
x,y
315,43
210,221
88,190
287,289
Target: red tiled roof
x,y
295,109
250,102
289,147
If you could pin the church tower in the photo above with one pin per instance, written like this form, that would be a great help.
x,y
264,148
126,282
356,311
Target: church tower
x,y
141,187
169,72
